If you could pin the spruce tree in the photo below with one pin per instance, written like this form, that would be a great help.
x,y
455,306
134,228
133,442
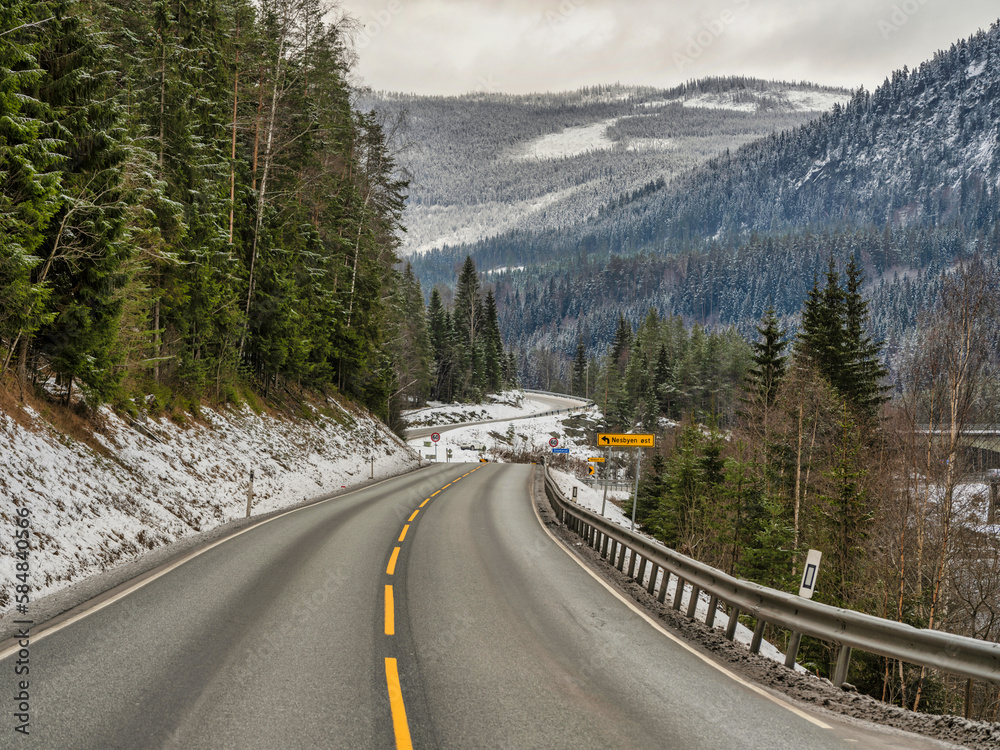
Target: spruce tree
x,y
864,372
29,192
770,362
579,385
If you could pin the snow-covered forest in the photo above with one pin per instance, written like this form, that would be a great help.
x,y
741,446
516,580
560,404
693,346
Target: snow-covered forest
x,y
484,164
191,204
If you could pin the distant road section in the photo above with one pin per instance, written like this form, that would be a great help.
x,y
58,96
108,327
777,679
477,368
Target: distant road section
x,y
553,403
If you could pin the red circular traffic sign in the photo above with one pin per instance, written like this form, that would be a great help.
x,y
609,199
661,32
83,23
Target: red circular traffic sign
x,y
435,436
554,443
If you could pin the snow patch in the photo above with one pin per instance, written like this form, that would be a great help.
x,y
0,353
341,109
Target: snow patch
x,y
976,69
92,508
570,142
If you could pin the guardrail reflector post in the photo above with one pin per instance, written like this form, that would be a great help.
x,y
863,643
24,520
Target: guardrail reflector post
x,y
734,620
758,636
843,665
793,650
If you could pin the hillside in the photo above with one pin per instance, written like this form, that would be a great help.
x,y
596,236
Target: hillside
x,y
484,164
905,178
104,491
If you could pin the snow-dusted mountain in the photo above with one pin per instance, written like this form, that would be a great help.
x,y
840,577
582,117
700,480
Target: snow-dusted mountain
x,y
490,163
906,178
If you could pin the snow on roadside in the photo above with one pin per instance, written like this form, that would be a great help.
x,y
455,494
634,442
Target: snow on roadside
x,y
95,507
507,405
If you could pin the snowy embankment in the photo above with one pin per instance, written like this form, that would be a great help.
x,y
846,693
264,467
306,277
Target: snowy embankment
x,y
507,405
107,498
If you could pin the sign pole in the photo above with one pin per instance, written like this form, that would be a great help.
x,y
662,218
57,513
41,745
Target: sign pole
x,y
635,502
607,468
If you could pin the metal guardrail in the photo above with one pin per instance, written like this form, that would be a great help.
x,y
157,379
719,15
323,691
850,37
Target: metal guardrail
x,y
955,654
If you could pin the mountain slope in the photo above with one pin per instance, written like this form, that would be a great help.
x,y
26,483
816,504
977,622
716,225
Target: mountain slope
x,y
905,178
490,163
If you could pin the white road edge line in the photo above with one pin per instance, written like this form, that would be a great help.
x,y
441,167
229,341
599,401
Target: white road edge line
x,y
173,566
631,605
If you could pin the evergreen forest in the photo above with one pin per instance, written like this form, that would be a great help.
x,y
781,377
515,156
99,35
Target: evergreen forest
x,y
191,204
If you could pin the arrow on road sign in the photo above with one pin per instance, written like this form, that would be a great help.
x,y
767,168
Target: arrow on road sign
x,y
591,470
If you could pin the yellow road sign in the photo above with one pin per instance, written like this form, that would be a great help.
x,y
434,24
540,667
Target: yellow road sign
x,y
591,470
596,460
612,440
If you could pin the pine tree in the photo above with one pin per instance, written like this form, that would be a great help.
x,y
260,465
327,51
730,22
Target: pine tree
x,y
493,350
85,238
29,192
622,344
579,385
864,372
770,363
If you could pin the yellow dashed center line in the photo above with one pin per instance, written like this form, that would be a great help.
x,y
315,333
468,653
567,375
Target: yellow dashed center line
x,y
391,570
399,724
390,613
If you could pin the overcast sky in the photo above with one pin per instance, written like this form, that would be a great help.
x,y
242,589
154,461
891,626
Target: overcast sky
x,y
519,46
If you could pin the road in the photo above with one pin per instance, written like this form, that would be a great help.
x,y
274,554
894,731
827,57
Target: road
x,y
554,403
432,610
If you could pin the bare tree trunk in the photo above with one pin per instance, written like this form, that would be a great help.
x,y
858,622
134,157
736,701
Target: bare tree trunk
x,y
798,478
268,156
232,166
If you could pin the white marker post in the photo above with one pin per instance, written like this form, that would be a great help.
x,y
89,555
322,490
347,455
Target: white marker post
x,y
250,494
806,590
809,575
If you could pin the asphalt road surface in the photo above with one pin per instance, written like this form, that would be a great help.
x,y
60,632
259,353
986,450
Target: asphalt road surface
x,y
430,611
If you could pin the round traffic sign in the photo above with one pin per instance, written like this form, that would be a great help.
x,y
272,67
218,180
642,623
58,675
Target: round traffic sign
x,y
435,436
554,443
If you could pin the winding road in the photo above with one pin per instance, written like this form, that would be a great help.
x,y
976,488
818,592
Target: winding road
x,y
433,610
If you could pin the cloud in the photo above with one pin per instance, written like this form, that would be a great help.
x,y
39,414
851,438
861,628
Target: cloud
x,y
518,46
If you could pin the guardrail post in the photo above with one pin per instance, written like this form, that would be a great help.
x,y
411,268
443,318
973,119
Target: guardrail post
x,y
679,593
843,665
604,546
734,620
613,554
793,650
631,564
713,605
641,575
652,579
663,586
621,559
693,602
758,636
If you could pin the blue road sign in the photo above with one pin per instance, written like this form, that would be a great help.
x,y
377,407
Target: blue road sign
x,y
560,450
